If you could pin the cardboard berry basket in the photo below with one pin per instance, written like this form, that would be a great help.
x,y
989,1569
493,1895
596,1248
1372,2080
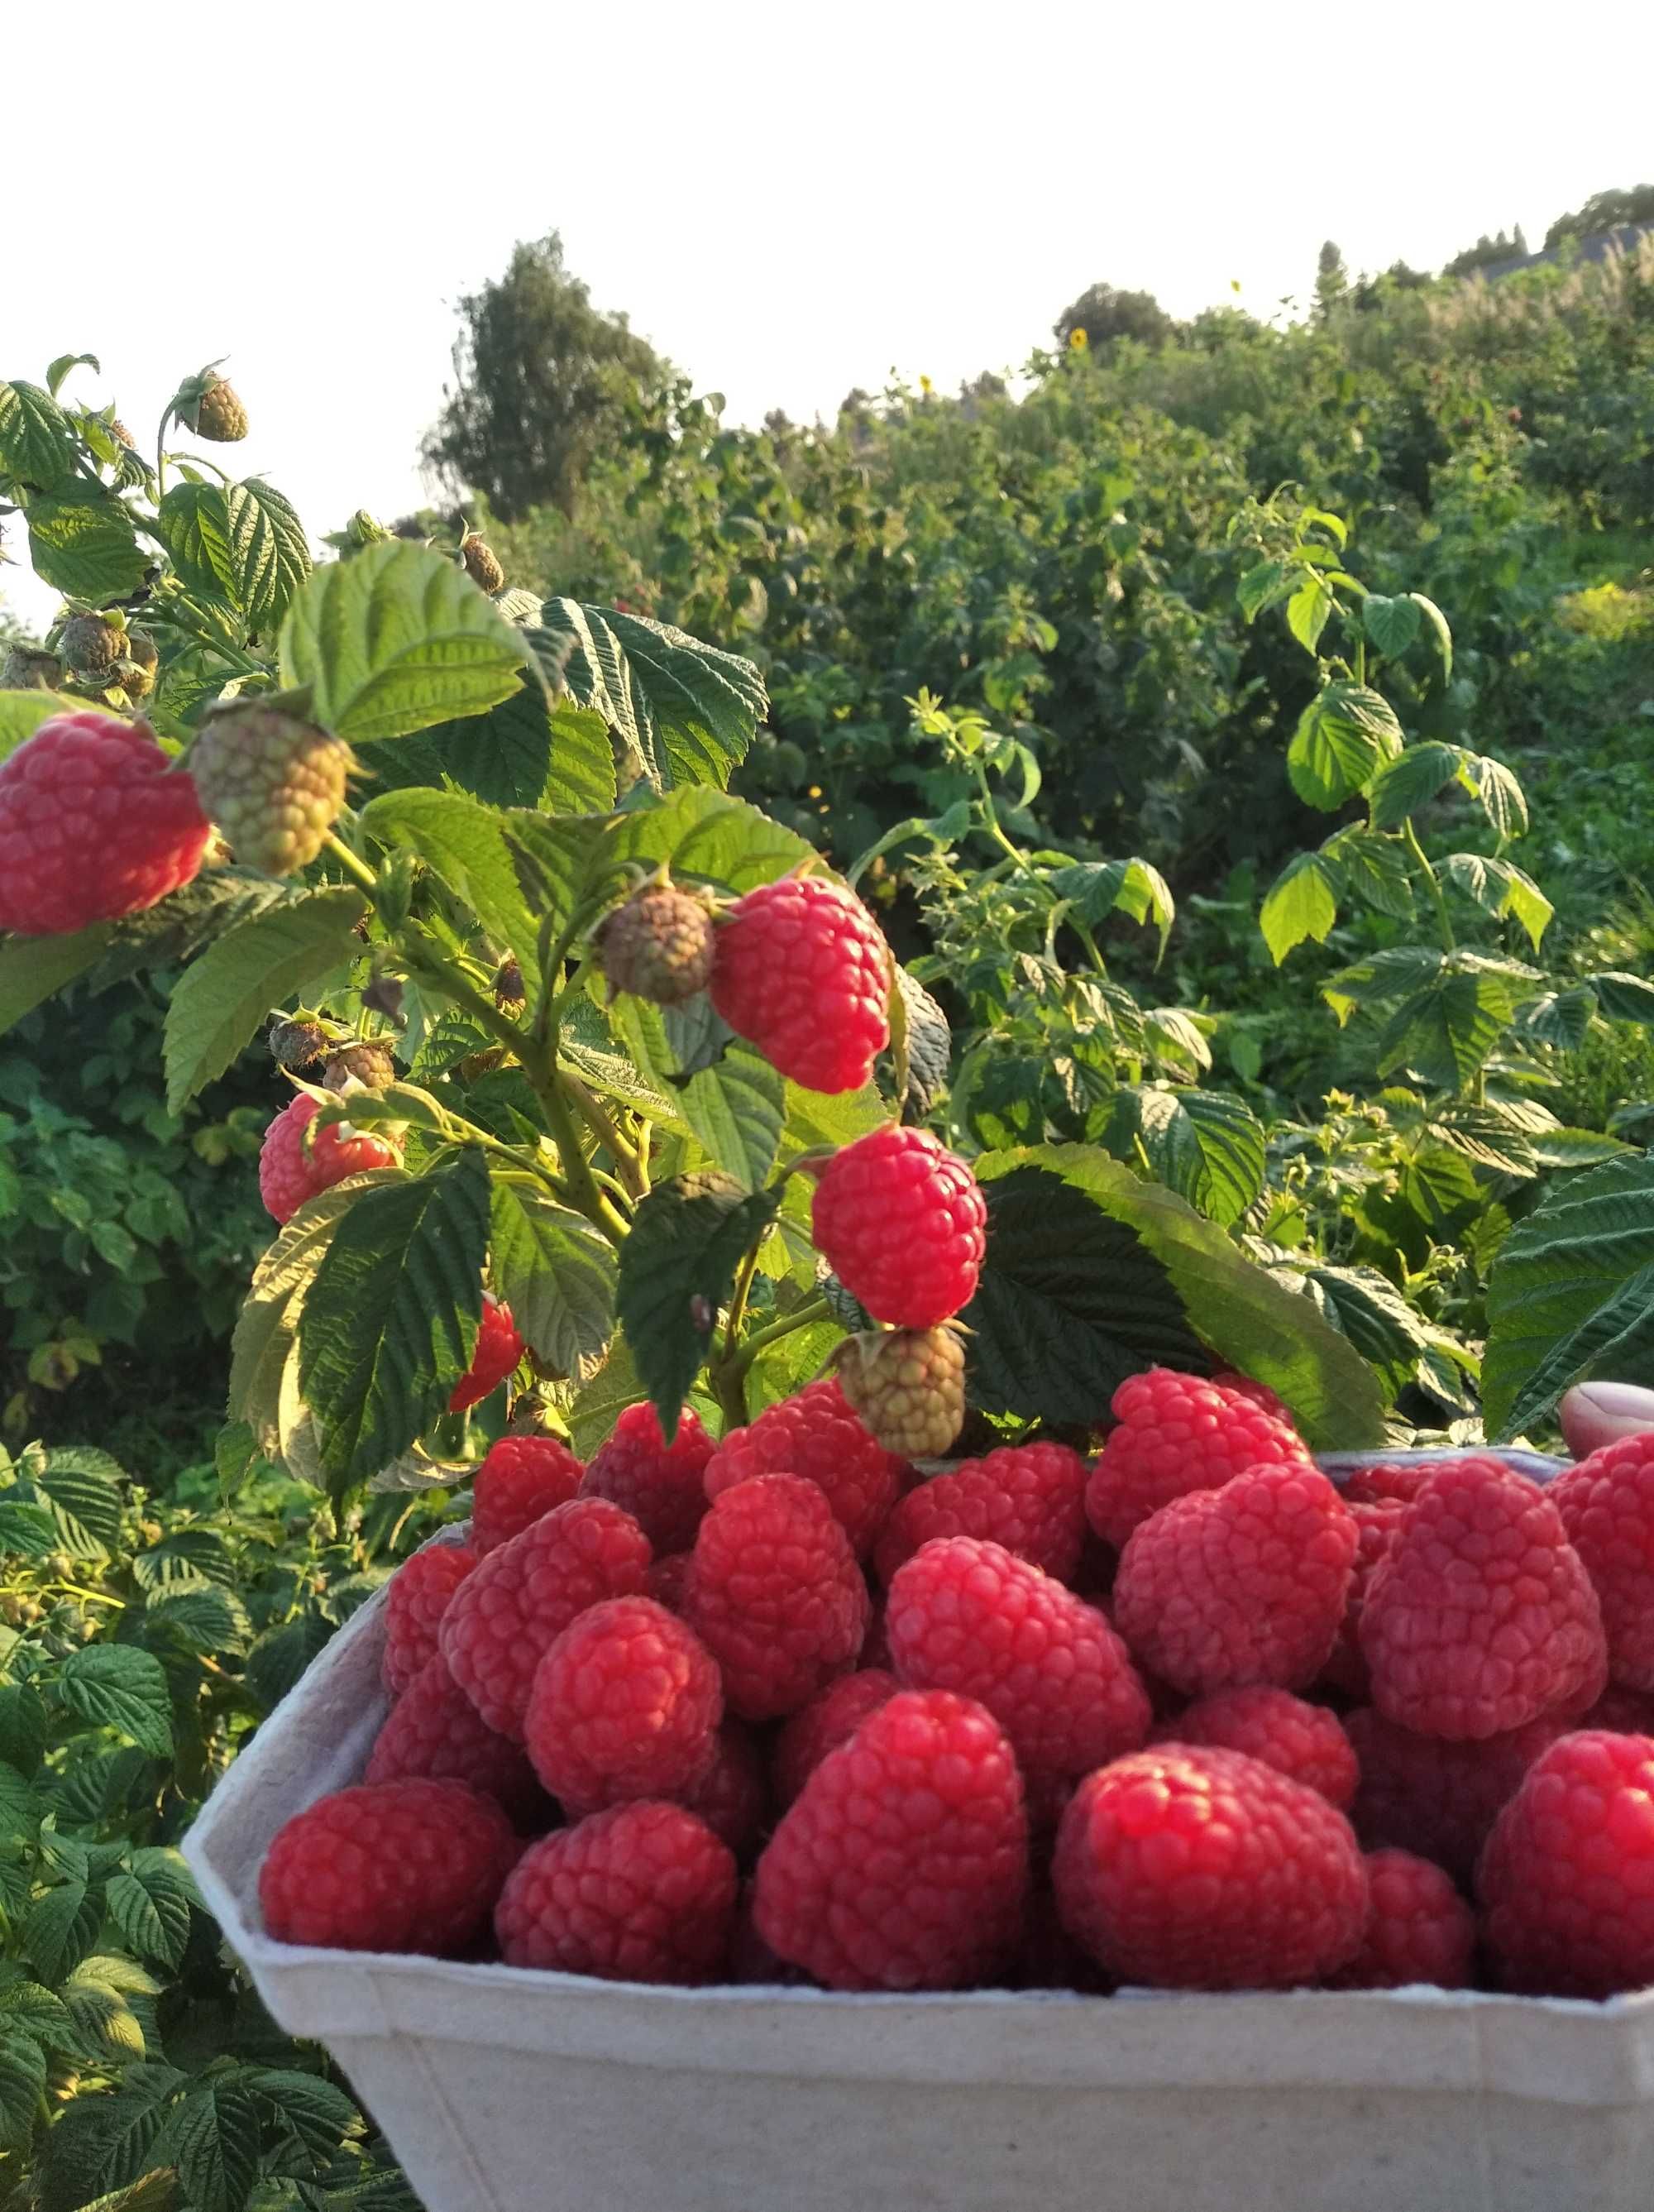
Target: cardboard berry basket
x,y
504,2090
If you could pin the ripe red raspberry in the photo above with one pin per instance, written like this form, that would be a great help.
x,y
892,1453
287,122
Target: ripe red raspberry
x,y
626,1704
1607,1505
507,1615
434,1733
1259,1394
667,1582
1306,1742
733,1796
1204,1869
95,822
1029,1498
902,1224
388,1866
903,1863
1419,1929
414,1602
1377,1524
800,970
832,1717
643,1892
1224,1587
1622,1712
288,1174
816,1436
659,1484
1482,1617
1566,1881
1389,1482
493,1357
1435,1799
968,1617
1178,1433
521,1479
775,1595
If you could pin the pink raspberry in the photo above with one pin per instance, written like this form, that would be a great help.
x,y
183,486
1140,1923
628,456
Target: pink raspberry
x,y
800,970
660,1484
288,1175
775,1595
902,1224
1419,1929
495,1356
1435,1799
522,1597
643,1893
626,1704
1031,1498
1607,1505
1377,1524
521,1479
1177,1433
1482,1617
832,1717
733,1796
1621,1712
669,1581
1245,1584
1204,1869
415,1600
1566,1879
388,1866
815,1434
95,823
968,1617
1306,1742
1259,1394
434,1733
1396,1482
903,1863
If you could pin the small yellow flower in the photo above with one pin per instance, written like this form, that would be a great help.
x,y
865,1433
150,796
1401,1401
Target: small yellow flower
x,y
926,386
1079,338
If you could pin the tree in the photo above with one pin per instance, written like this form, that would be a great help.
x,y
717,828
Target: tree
x,y
1105,314
541,376
1331,279
1489,251
1603,211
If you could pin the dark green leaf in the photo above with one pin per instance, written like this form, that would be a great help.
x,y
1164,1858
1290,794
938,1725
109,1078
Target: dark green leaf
x,y
1501,796
199,1617
27,1530
926,1039
221,1001
60,1928
103,2143
32,968
115,1686
1624,998
1499,889
195,528
37,445
1441,636
676,1269
600,1403
1100,888
1206,1145
280,1657
1261,588
556,1272
87,1483
391,1319
464,842
737,1108
269,553
27,2009
23,2085
22,1726
1392,624
1374,868
212,2137
1411,780
151,1904
1445,1032
1560,1018
1376,1318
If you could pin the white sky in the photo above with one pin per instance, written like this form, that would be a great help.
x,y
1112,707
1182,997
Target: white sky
x,y
788,199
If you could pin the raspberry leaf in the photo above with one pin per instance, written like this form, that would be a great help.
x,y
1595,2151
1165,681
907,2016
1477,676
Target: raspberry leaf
x,y
395,641
220,1002
22,714
1207,1146
677,1267
1301,902
703,833
463,841
23,2085
84,544
1344,737
37,445
32,968
556,1274
388,1324
119,1687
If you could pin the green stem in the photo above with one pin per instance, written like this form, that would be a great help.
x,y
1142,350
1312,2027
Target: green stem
x,y
607,1131
1416,853
803,1317
738,1298
352,863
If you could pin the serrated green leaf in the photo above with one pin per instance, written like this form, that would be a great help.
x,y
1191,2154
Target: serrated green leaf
x,y
1441,637
685,712
114,1686
1392,625
1301,902
1412,780
28,2008
1368,1308
1577,1148
23,2085
320,2115
1373,868
281,1656
699,832
212,2137
32,968
1503,800
520,753
22,1726
600,1403
1307,610
397,639
1100,888
87,1483
151,1903
1560,1018
180,925
82,541
1238,1311
22,714
464,842
1383,978
1344,737
20,1810
27,1528
737,1109
1566,1293
921,1029
203,1618
104,2142
677,1267
581,777
195,528
269,552
1261,588
60,1928
155,2191
1445,1032
391,1319
1624,998
556,1274
37,445
221,1001
1206,1145
1500,888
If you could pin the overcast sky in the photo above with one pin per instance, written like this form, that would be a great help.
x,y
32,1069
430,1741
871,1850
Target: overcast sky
x,y
787,199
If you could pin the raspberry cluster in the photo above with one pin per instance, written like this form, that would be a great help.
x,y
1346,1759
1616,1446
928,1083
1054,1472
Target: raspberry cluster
x,y
775,1709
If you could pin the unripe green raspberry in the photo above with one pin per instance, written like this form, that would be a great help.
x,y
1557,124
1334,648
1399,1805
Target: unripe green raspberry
x,y
370,1065
658,945
364,528
90,647
273,784
29,670
137,668
908,1386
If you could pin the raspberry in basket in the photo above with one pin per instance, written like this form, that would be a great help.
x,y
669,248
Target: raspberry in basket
x,y
643,1893
1175,1433
1304,1740
832,1717
1419,1929
434,1733
1607,1505
625,1704
1436,1799
815,1434
522,1478
1029,1498
417,1598
661,1485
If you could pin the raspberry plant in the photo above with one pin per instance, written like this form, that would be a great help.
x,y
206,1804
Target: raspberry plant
x,y
630,1180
